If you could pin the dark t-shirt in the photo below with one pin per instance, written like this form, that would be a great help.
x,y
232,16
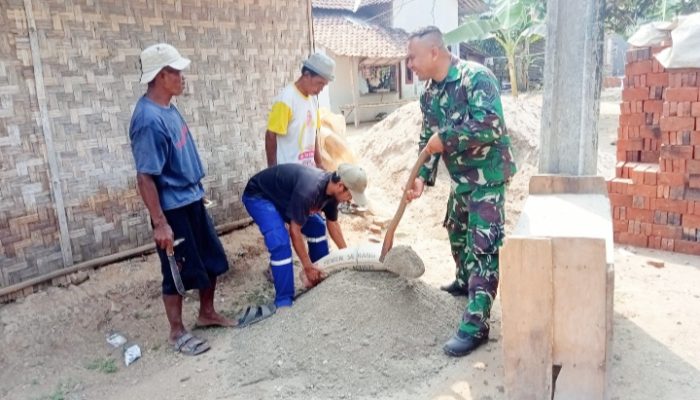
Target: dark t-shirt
x,y
297,191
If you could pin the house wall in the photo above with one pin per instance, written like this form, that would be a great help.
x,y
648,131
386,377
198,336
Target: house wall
x,y
340,93
242,51
411,15
410,91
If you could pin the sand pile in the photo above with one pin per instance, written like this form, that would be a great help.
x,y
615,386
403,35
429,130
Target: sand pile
x,y
404,261
390,148
356,335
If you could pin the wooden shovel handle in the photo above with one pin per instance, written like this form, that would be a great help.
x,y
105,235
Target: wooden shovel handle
x,y
389,237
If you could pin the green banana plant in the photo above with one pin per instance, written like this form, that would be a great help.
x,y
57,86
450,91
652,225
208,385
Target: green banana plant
x,y
513,24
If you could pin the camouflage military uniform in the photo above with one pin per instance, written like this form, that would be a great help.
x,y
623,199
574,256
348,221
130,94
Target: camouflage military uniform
x,y
465,110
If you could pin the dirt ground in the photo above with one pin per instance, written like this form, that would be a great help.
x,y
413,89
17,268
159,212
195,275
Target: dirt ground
x,y
358,335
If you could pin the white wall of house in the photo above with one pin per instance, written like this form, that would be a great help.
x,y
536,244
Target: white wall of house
x,y
339,93
410,90
411,15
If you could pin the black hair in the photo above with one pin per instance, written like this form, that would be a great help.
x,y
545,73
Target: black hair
x,y
335,178
428,30
309,71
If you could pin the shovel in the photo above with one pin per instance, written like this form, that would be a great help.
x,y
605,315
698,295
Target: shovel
x,y
174,269
391,229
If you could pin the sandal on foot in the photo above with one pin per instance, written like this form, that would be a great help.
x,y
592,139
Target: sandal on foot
x,y
190,345
255,314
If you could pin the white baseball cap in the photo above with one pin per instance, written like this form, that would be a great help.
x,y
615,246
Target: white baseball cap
x,y
355,179
156,57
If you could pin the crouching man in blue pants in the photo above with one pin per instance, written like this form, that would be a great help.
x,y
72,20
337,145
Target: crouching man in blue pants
x,y
296,194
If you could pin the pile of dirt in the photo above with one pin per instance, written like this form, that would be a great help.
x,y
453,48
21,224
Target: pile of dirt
x,y
390,148
381,333
404,261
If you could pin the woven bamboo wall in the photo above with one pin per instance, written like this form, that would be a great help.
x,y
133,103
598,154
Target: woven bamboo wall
x,y
242,51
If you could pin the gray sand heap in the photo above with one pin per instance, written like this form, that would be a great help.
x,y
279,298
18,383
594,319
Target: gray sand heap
x,y
356,335
404,261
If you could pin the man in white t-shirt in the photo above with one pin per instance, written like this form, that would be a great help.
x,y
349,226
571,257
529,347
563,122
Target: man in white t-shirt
x,y
294,117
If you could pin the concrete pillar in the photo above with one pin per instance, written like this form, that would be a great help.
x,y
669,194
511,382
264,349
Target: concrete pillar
x,y
572,81
557,272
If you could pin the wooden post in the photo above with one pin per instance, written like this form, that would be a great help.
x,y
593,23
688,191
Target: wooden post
x,y
527,322
557,281
354,67
54,172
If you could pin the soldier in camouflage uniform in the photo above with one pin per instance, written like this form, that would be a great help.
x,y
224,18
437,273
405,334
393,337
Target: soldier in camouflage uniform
x,y
463,123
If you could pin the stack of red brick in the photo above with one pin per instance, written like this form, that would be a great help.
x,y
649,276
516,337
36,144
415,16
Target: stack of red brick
x,y
655,194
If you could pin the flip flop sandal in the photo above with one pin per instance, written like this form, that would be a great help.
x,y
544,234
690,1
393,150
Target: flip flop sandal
x,y
255,314
190,345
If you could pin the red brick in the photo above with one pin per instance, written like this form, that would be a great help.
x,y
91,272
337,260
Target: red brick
x,y
681,94
637,119
697,124
654,242
657,79
684,109
653,106
677,152
620,200
630,145
671,179
684,246
663,192
677,193
619,226
693,166
672,108
648,190
650,132
694,181
652,172
660,217
694,207
637,174
619,185
625,107
674,218
695,109
667,244
649,156
673,206
640,215
666,231
691,234
695,140
641,202
674,123
638,68
679,166
631,239
634,132
632,94
690,221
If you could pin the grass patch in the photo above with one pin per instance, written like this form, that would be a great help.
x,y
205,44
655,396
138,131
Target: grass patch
x,y
104,365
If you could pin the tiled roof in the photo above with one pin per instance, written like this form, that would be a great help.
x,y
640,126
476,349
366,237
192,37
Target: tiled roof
x,y
348,5
471,7
465,6
348,36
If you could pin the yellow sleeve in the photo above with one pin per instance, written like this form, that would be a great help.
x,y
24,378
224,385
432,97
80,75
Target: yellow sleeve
x,y
279,119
